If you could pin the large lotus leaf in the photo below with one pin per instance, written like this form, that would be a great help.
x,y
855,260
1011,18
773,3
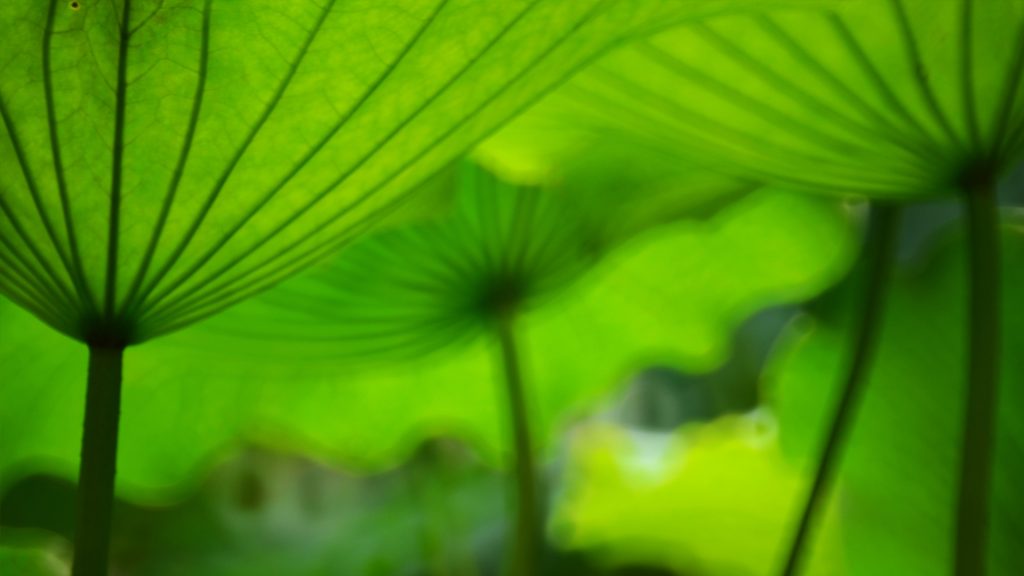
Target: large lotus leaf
x,y
897,489
343,383
162,159
887,98
712,499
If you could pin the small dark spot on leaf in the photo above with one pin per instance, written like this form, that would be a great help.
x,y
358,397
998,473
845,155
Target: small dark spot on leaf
x,y
75,5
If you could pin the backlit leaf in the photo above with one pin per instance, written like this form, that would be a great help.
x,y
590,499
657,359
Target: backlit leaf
x,y
163,159
886,98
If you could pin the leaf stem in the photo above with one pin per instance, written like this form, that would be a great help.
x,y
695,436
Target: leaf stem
x,y
99,458
526,551
877,260
983,368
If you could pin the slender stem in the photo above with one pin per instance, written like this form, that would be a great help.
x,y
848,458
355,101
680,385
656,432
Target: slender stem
x,y
99,457
526,553
877,260
983,367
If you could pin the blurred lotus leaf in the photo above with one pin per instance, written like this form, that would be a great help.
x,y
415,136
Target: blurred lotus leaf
x,y
317,387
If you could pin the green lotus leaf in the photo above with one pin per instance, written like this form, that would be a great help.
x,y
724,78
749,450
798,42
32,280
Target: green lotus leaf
x,y
711,498
411,290
358,360
885,98
164,159
898,485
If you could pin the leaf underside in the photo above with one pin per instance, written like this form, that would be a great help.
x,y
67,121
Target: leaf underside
x,y
166,158
403,293
884,98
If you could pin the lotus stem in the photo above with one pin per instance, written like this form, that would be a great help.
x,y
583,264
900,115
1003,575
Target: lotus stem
x,y
982,372
526,550
99,459
877,261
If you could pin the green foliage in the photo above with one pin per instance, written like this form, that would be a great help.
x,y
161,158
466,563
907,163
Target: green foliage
x,y
409,291
886,98
313,386
898,486
622,184
166,159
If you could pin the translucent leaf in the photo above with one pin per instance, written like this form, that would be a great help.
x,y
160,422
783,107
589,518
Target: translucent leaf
x,y
163,159
886,98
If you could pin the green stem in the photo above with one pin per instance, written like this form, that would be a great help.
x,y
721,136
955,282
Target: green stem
x,y
877,259
526,553
99,457
983,367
